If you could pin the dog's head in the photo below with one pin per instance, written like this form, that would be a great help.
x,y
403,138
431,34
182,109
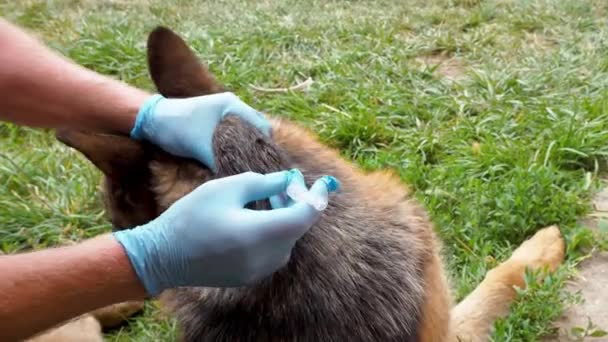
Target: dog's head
x,y
141,180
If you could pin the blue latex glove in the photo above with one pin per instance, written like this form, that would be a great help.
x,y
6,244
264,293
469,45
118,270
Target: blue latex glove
x,y
184,127
207,238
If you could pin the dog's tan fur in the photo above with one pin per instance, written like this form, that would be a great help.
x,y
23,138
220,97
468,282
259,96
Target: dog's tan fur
x,y
172,178
89,327
380,189
474,316
82,329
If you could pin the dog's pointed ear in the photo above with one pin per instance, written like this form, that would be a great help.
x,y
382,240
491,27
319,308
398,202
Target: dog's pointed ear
x,y
175,69
115,155
128,195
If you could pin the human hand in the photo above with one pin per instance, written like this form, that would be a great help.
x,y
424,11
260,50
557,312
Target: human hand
x,y
185,126
207,238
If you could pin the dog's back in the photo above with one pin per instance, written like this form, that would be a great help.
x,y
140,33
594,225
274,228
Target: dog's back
x,y
356,275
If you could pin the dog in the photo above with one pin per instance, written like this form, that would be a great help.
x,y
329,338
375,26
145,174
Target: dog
x,y
369,270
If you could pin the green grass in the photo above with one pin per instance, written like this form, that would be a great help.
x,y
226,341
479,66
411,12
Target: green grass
x,y
507,136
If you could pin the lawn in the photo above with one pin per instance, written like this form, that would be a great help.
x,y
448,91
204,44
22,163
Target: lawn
x,y
495,112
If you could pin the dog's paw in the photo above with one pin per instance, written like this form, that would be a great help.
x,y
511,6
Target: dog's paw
x,y
82,329
545,248
114,315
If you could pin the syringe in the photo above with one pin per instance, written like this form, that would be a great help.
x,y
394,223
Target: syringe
x,y
298,192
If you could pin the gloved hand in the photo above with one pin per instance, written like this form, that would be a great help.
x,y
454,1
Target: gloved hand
x,y
184,127
207,238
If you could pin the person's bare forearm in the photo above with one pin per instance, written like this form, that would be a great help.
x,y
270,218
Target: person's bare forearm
x,y
41,289
41,88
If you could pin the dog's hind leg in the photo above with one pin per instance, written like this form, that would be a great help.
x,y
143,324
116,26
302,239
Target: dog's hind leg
x,y
473,318
89,327
82,329
115,315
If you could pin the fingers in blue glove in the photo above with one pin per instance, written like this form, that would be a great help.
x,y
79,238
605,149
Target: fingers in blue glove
x,y
290,222
185,126
247,113
250,186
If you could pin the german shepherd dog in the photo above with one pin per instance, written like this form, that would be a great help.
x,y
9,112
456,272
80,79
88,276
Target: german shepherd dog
x,y
369,270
